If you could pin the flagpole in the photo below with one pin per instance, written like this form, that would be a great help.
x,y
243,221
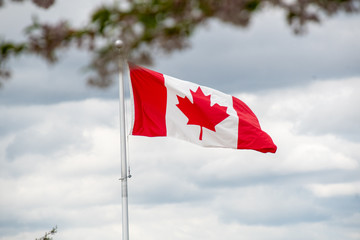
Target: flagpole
x,y
123,142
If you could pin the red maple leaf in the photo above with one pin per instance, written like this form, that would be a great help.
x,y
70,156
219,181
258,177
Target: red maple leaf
x,y
200,112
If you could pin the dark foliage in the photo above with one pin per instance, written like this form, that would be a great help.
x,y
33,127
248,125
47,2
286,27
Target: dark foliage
x,y
48,235
152,26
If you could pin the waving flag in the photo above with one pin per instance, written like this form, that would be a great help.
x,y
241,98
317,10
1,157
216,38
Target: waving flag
x,y
166,106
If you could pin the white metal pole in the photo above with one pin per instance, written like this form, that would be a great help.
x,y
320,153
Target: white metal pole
x,y
123,146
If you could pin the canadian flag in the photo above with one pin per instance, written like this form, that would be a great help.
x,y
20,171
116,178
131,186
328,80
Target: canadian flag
x,y
166,106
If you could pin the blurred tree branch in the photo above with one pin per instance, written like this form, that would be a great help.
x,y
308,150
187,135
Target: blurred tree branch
x,y
151,26
48,234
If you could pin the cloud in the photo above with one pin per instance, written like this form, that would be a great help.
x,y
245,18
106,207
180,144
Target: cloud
x,y
65,172
264,56
336,189
59,150
267,55
39,83
179,189
268,205
326,103
45,132
76,12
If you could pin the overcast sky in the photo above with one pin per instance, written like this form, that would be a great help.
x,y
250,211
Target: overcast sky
x,y
59,140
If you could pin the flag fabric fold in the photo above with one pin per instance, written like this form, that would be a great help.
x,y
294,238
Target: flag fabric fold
x,y
168,107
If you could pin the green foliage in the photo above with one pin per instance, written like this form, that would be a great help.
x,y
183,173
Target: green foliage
x,y
11,48
8,49
252,5
149,26
48,235
102,19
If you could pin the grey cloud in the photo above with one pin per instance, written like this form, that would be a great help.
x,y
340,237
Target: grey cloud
x,y
252,206
319,108
341,205
47,129
45,141
16,119
267,55
239,188
335,110
38,83
189,189
163,193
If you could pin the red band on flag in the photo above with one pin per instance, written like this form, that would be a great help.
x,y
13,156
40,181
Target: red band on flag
x,y
149,94
250,135
166,106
